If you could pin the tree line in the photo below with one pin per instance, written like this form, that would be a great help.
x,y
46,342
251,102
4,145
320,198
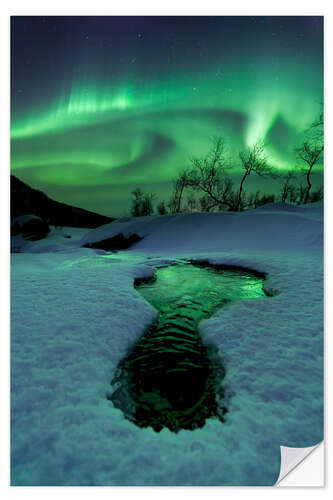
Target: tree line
x,y
206,186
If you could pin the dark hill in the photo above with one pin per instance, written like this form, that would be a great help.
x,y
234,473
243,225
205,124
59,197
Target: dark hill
x,y
26,200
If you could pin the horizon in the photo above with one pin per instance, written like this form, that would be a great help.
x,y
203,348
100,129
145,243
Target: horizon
x,y
269,186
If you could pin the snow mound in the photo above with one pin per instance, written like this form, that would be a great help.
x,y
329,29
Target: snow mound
x,y
276,226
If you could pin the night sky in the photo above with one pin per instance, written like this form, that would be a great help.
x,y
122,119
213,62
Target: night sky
x,y
101,105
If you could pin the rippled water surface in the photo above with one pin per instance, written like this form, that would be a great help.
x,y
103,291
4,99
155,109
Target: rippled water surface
x,y
204,285
169,379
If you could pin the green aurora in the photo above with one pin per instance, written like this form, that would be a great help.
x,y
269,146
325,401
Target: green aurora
x,y
96,136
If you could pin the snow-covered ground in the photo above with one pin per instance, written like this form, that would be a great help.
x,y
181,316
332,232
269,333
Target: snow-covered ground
x,y
75,313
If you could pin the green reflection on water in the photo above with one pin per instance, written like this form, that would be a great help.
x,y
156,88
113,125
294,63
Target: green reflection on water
x,y
206,286
169,379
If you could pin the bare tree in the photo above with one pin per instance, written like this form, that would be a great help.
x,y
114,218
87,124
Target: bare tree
x,y
257,197
301,194
253,161
286,187
191,202
147,204
206,203
208,175
142,203
161,208
178,186
266,198
137,196
317,195
293,193
315,132
310,152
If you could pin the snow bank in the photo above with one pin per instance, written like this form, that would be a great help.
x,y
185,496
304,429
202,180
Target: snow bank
x,y
75,314
58,240
264,229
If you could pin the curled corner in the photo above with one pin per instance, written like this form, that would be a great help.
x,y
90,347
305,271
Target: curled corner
x,y
291,457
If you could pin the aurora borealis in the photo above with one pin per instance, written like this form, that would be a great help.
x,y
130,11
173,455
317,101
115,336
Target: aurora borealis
x,y
101,105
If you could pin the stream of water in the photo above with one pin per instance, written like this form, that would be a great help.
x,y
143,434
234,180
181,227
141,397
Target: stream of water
x,y
169,378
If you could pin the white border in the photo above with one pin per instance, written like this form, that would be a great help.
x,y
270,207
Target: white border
x,y
138,7
172,7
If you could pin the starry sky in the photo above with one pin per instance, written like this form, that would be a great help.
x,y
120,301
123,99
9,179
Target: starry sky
x,y
101,105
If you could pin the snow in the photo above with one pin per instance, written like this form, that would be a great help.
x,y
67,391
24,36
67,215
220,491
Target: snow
x,y
22,219
75,314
